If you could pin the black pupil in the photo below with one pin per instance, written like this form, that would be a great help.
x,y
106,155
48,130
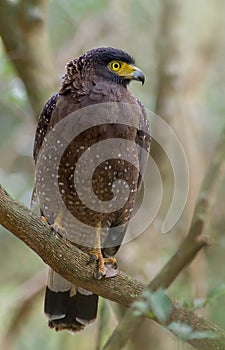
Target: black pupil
x,y
116,65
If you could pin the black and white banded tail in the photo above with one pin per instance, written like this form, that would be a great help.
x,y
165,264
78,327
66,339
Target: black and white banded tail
x,y
68,306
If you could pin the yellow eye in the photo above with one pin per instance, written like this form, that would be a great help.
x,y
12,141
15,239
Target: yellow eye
x,y
115,66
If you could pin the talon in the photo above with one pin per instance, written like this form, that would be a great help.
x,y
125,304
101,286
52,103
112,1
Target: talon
x,y
56,229
99,275
59,230
92,259
112,261
107,267
57,226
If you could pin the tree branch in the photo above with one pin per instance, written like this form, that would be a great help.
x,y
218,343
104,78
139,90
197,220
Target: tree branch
x,y
23,31
70,262
62,255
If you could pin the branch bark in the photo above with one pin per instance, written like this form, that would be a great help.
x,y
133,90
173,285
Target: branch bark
x,y
23,31
70,262
62,255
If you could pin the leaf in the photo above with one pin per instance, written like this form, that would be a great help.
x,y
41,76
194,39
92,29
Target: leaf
x,y
216,293
200,302
160,305
140,308
203,335
146,294
150,315
186,332
181,330
154,305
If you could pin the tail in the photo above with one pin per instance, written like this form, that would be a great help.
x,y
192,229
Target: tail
x,y
68,306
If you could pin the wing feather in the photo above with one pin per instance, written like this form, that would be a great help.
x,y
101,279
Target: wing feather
x,y
118,228
43,124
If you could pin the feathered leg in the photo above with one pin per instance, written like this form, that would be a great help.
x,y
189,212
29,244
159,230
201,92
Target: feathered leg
x,y
97,255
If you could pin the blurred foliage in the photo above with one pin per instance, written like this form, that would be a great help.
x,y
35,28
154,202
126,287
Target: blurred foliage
x,y
185,332
74,27
158,302
71,14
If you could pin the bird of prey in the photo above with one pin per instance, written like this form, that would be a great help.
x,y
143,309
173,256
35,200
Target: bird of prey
x,y
92,108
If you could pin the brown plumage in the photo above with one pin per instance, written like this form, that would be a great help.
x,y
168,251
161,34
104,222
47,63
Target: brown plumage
x,y
96,108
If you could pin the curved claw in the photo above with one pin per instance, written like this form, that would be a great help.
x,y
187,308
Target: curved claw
x,y
98,275
92,259
58,229
106,267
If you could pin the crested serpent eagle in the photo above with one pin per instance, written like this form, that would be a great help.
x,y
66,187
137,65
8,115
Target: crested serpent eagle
x,y
92,114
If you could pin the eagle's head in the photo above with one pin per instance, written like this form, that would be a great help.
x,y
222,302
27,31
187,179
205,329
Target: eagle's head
x,y
112,64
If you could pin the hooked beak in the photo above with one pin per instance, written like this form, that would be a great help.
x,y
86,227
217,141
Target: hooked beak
x,y
138,75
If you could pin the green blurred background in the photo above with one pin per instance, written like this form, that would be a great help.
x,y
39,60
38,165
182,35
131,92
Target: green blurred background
x,y
180,46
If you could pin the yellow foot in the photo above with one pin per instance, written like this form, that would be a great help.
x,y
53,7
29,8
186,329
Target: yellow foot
x,y
96,255
43,218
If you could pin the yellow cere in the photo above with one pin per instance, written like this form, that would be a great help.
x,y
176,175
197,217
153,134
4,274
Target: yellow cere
x,y
121,68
